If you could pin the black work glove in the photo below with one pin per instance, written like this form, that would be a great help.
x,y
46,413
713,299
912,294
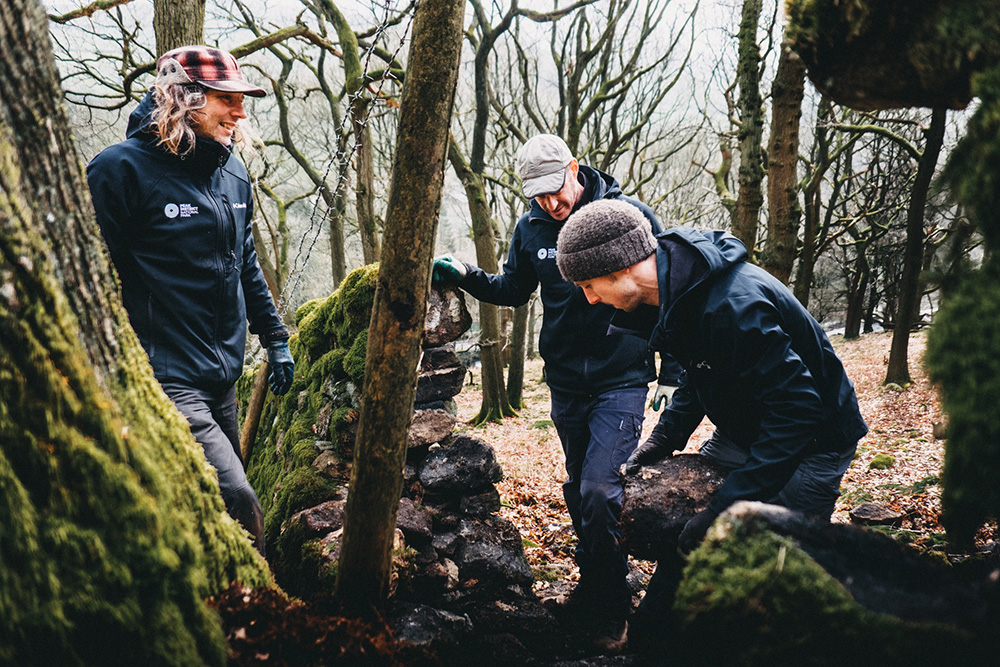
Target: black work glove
x,y
282,367
658,446
694,530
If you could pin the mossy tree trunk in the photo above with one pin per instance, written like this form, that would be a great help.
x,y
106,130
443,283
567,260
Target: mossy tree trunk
x,y
495,405
400,305
178,23
857,288
515,370
471,171
784,212
908,307
751,171
355,86
113,526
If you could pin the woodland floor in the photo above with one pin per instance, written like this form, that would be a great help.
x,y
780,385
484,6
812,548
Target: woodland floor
x,y
901,424
264,628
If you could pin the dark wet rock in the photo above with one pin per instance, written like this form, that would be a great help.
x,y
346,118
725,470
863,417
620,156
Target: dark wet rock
x,y
332,465
875,514
491,555
515,615
480,505
319,520
462,467
434,630
430,426
440,384
446,543
439,357
416,523
447,316
660,499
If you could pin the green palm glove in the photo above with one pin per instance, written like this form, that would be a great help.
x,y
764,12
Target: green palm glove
x,y
447,270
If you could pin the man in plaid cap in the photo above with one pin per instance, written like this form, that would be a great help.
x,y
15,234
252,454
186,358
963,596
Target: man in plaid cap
x,y
175,205
598,384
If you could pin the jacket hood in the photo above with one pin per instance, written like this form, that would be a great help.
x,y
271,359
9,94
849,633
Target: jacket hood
x,y
687,258
140,118
597,185
208,151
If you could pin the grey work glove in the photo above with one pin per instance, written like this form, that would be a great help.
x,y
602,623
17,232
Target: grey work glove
x,y
663,394
282,367
447,270
658,446
694,530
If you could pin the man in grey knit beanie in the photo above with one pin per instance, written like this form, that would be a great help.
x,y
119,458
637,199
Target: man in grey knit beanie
x,y
755,362
602,238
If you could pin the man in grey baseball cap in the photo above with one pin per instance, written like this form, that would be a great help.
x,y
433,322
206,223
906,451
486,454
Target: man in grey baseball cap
x,y
542,164
598,384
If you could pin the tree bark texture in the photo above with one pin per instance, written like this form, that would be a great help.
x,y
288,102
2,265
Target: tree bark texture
x,y
515,369
113,526
495,405
354,78
400,304
857,288
908,305
784,213
178,23
813,205
751,171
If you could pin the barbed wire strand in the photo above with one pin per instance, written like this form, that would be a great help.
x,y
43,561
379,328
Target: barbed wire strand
x,y
343,158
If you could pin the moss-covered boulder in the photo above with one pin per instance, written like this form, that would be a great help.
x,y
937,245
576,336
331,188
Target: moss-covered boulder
x,y
304,444
770,587
318,414
883,54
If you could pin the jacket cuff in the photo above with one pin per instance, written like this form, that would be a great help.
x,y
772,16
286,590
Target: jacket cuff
x,y
273,336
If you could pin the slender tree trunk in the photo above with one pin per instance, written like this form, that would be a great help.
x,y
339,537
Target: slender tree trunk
x,y
530,353
909,289
355,87
515,369
856,291
813,204
178,23
113,527
495,405
400,305
364,196
784,213
751,172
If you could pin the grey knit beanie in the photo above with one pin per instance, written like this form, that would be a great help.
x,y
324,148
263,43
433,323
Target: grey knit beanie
x,y
603,237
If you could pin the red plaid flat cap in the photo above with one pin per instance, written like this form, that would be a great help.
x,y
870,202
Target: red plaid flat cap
x,y
212,68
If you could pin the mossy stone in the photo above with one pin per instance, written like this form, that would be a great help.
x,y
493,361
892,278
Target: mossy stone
x,y
752,597
882,462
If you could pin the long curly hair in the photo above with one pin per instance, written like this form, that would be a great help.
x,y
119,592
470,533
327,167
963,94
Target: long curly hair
x,y
171,120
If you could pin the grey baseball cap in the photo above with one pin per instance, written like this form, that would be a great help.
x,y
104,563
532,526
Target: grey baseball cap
x,y
541,164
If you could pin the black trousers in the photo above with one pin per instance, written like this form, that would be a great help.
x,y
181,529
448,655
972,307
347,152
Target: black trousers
x,y
213,419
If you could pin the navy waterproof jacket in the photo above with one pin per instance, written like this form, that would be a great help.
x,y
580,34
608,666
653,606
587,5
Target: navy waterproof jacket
x,y
580,357
179,233
755,361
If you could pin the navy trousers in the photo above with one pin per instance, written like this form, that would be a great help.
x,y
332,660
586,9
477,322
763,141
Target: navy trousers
x,y
598,432
214,424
